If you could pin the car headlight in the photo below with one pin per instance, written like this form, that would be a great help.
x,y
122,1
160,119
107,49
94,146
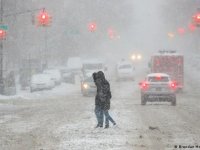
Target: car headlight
x,y
139,57
133,57
85,85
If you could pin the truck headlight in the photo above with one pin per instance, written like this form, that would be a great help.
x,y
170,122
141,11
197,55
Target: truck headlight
x,y
133,57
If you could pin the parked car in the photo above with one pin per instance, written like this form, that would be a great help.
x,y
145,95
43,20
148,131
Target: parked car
x,y
41,82
88,87
55,75
75,65
158,87
68,76
125,70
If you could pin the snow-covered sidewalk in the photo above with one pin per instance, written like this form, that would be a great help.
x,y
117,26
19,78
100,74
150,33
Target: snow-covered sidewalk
x,y
61,90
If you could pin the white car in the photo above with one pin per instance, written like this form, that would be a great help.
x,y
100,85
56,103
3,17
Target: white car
x,y
41,82
158,87
55,75
125,70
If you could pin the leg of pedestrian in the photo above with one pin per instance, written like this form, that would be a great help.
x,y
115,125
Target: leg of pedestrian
x,y
108,118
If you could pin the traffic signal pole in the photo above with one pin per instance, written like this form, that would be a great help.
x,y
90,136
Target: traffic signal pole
x,y
1,52
45,49
2,15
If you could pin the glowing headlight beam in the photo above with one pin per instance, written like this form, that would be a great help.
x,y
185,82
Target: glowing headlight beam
x,y
139,56
85,85
133,57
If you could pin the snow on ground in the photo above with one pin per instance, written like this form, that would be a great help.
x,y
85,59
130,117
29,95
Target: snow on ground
x,y
61,90
81,134
174,125
62,119
192,69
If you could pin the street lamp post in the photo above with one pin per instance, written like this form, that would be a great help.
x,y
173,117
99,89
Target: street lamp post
x,y
1,52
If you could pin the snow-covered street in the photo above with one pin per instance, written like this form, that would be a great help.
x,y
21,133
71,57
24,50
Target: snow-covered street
x,y
66,120
63,62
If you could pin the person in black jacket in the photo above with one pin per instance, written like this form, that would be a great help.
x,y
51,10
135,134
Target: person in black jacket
x,y
104,94
98,105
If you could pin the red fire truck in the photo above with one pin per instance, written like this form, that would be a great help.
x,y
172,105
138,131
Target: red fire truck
x,y
170,62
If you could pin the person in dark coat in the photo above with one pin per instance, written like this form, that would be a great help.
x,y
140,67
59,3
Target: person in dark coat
x,y
104,94
98,105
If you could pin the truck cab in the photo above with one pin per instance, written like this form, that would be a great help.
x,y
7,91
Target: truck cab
x,y
171,63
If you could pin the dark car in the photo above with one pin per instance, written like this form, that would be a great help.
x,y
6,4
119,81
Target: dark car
x,y
88,88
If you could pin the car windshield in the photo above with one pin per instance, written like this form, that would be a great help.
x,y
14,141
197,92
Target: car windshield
x,y
127,66
158,79
92,66
89,79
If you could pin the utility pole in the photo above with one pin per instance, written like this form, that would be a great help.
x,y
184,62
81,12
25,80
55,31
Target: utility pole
x,y
1,52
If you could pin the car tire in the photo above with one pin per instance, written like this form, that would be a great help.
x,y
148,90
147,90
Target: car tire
x,y
84,94
32,90
143,100
173,101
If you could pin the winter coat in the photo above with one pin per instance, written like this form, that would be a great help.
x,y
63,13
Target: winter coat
x,y
103,91
97,98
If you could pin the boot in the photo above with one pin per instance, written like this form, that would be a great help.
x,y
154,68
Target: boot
x,y
106,126
99,126
96,126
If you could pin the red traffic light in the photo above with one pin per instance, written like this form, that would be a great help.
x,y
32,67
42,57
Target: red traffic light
x,y
181,31
2,34
92,26
43,18
196,19
191,27
111,33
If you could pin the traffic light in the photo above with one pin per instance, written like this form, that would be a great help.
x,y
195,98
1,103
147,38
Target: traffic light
x,y
44,19
181,31
191,27
92,26
111,33
196,19
2,34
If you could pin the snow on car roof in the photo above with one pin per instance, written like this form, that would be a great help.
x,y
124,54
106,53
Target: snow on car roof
x,y
92,61
167,53
157,74
124,63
